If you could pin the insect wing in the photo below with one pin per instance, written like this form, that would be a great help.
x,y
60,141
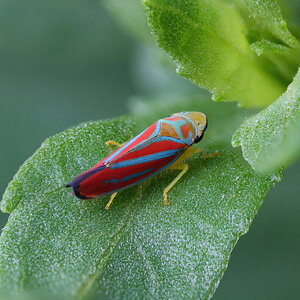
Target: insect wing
x,y
133,166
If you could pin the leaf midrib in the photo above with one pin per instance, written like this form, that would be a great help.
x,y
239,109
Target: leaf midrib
x,y
87,285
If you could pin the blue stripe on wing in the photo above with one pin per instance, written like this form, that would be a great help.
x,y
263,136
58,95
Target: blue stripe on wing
x,y
135,175
144,159
129,177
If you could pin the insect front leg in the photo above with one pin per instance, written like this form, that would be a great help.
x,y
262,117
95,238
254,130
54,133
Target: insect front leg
x,y
110,142
189,152
211,155
183,168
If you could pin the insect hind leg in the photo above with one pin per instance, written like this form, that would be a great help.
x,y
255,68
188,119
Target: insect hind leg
x,y
183,168
179,165
112,197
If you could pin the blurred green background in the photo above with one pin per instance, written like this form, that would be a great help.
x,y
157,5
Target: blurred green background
x,y
65,62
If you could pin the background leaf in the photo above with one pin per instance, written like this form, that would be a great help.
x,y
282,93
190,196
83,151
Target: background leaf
x,y
270,139
267,15
210,44
63,246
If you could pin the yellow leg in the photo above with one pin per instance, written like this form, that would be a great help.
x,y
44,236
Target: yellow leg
x,y
179,165
110,142
183,168
211,155
190,152
112,197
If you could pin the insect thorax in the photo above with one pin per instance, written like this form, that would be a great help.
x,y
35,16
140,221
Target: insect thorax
x,y
177,127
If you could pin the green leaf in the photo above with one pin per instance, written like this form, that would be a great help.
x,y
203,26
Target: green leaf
x,y
210,44
264,47
270,139
267,15
68,247
279,58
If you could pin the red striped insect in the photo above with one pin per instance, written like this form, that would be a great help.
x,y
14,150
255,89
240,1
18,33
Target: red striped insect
x,y
164,144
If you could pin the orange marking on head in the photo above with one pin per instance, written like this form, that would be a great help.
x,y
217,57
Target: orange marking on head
x,y
185,130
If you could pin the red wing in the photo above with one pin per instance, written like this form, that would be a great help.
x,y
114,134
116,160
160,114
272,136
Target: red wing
x,y
138,164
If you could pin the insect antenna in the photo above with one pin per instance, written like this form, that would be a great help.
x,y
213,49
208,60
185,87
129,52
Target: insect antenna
x,y
210,139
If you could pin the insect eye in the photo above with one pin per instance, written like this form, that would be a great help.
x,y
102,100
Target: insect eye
x,y
200,125
198,139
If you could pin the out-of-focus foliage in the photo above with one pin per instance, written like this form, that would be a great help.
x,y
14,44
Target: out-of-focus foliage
x,y
131,16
